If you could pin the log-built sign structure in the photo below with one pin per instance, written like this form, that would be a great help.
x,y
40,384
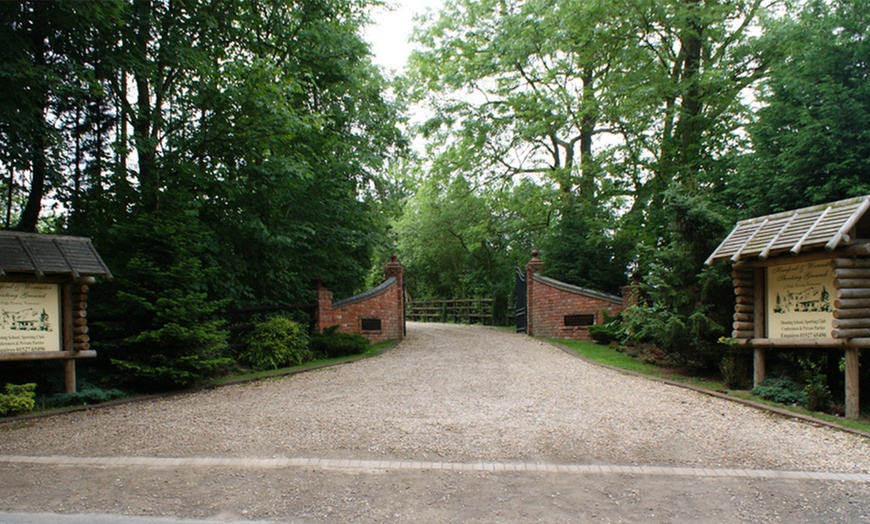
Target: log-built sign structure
x,y
802,280
44,282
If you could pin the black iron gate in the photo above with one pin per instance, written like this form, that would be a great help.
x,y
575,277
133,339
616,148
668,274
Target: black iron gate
x,y
521,301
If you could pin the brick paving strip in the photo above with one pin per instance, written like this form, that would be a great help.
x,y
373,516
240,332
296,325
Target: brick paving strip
x,y
356,466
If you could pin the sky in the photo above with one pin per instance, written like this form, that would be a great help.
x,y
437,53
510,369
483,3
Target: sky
x,y
391,29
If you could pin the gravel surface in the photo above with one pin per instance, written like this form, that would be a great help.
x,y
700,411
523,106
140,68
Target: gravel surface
x,y
452,393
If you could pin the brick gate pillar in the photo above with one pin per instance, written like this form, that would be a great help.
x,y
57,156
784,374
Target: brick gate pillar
x,y
535,265
395,269
323,316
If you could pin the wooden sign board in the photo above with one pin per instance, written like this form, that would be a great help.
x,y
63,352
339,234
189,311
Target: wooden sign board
x,y
800,300
30,317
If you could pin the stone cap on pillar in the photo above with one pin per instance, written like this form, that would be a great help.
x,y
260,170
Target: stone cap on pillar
x,y
393,267
535,265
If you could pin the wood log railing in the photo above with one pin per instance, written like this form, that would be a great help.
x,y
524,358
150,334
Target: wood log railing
x,y
459,311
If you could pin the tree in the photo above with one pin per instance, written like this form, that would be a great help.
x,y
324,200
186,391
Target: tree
x,y
259,126
810,139
458,240
633,110
47,67
524,88
524,91
580,249
163,330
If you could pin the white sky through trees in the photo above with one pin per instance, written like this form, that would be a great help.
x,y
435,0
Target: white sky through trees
x,y
391,28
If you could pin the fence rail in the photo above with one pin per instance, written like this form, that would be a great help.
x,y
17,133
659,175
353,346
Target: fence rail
x,y
460,311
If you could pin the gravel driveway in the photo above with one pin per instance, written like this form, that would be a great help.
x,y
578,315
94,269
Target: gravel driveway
x,y
448,395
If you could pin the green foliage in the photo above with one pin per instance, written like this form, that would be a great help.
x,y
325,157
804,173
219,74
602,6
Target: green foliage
x,y
816,390
165,332
87,395
684,306
243,165
277,342
686,340
461,240
18,399
332,344
810,139
581,250
782,390
635,143
609,331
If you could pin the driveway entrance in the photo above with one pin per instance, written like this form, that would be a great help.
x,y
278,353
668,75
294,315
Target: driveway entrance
x,y
457,423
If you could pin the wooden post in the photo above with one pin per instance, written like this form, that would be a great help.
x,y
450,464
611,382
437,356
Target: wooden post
x,y
70,375
67,330
853,407
759,370
759,367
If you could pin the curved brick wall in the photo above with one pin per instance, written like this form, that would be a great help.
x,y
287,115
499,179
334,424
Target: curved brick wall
x,y
361,314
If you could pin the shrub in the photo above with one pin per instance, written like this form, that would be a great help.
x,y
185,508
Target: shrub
x,y
88,395
611,330
19,398
816,389
782,390
685,340
165,332
277,342
332,345
818,396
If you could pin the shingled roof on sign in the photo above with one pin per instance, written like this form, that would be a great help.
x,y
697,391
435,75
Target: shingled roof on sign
x,y
827,225
41,255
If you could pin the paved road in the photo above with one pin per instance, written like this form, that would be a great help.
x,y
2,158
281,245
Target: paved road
x,y
457,424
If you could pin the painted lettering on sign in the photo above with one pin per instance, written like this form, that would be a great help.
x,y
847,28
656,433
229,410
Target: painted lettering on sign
x,y
799,300
29,317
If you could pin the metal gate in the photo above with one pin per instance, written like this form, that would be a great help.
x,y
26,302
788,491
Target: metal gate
x,y
521,301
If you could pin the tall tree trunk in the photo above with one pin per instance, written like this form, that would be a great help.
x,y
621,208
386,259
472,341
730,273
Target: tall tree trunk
x,y
144,135
38,162
589,119
689,127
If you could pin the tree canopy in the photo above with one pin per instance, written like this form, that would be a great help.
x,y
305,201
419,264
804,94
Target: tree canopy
x,y
221,154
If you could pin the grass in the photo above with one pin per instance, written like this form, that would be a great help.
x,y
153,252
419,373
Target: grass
x,y
609,356
372,351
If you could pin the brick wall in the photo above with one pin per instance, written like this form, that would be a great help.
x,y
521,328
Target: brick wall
x,y
377,314
560,310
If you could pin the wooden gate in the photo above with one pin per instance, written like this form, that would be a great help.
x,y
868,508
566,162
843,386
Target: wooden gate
x,y
463,311
521,319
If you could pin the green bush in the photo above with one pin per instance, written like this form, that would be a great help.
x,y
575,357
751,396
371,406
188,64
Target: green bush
x,y
19,398
332,345
818,396
88,395
277,342
165,330
611,330
782,390
816,389
686,340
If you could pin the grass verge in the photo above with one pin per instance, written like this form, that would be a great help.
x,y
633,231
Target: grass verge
x,y
373,351
610,357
